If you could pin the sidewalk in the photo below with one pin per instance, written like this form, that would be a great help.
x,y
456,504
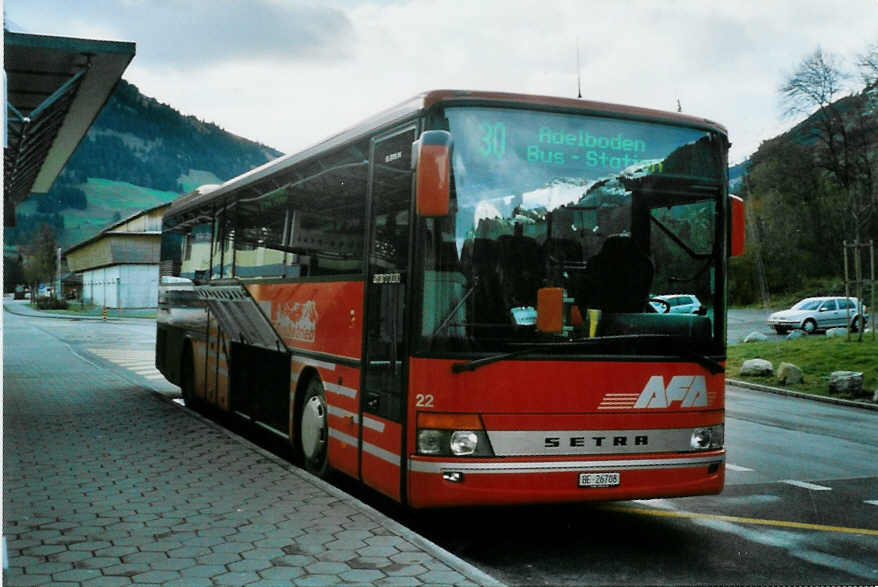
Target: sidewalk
x,y
106,483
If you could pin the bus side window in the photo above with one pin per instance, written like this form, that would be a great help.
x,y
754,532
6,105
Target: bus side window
x,y
260,235
327,211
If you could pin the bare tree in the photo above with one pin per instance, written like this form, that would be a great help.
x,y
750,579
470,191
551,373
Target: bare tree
x,y
816,82
845,135
868,64
846,131
40,265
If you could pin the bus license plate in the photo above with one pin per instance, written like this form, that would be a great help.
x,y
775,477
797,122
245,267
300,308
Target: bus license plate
x,y
599,479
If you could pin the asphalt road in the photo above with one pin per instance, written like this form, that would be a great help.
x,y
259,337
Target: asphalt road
x,y
743,322
800,504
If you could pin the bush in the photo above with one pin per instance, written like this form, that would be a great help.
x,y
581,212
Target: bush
x,y
48,303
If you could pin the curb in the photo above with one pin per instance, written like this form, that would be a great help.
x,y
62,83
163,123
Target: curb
x,y
31,313
472,573
818,398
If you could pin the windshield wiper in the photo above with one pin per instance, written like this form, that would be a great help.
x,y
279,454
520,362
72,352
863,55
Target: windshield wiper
x,y
474,364
450,315
713,366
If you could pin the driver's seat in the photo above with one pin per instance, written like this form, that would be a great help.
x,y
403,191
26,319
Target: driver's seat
x,y
619,277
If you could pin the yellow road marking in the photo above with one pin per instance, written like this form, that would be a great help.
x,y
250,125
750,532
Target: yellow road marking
x,y
741,520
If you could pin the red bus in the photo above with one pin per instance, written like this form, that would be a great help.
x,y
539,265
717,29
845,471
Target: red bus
x,y
456,301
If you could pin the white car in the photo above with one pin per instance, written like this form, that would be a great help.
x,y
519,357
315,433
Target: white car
x,y
813,314
676,304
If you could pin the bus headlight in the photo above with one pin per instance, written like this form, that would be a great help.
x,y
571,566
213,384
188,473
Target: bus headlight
x,y
458,443
707,438
430,442
464,442
459,435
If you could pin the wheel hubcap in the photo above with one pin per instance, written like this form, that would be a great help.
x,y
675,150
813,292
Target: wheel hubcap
x,y
313,427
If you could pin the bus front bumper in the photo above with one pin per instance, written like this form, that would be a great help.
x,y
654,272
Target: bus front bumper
x,y
439,482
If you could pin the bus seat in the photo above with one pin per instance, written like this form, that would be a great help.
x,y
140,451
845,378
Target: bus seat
x,y
487,295
521,269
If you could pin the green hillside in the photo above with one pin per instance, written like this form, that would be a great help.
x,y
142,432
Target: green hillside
x,y
139,153
108,201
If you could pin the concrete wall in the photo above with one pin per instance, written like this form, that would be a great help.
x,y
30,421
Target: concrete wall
x,y
122,286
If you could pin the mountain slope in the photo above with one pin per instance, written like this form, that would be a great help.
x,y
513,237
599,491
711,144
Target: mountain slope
x,y
138,153
808,191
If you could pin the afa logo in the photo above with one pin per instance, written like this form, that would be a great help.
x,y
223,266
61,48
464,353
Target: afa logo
x,y
689,390
298,321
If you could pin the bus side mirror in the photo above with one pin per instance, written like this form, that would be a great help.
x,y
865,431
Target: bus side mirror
x,y
738,228
433,173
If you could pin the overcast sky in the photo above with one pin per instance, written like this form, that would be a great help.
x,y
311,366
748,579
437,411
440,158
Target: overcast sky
x,y
288,73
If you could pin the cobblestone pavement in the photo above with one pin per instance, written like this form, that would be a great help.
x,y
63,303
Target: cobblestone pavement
x,y
107,483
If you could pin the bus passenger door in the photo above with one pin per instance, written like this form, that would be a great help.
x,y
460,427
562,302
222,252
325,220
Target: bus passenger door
x,y
385,370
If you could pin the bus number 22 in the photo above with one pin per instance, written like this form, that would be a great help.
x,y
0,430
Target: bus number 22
x,y
423,400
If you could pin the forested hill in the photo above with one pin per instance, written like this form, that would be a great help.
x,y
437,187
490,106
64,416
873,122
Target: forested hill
x,y
808,191
139,153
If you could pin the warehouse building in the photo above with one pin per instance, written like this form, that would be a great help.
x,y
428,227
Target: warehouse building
x,y
120,265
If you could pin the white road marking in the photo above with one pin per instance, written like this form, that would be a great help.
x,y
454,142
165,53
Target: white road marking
x,y
140,362
662,504
806,485
732,467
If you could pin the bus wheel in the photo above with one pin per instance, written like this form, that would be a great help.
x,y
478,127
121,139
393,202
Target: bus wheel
x,y
313,429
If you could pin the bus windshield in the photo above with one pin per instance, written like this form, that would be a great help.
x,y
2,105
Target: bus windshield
x,y
613,211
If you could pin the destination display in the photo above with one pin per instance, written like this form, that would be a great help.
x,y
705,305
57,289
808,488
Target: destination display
x,y
491,141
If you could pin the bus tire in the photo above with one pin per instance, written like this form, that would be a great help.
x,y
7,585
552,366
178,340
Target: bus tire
x,y
313,429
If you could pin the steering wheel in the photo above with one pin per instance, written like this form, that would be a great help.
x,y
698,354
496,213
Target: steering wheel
x,y
667,306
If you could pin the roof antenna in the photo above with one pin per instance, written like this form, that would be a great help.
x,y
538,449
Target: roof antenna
x,y
578,72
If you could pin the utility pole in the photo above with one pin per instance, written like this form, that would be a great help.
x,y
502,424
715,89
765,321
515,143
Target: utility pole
x,y
58,294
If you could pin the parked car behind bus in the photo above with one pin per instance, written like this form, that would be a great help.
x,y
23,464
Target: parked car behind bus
x,y
820,313
676,304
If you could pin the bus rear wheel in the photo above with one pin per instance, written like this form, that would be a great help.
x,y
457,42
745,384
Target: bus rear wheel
x,y
313,429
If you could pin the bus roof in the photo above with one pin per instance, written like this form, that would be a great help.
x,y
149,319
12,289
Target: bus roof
x,y
424,101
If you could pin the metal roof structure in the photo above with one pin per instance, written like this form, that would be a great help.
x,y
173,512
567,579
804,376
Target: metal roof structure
x,y
56,86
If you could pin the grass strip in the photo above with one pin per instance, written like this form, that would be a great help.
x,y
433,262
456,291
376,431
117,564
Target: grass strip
x,y
817,356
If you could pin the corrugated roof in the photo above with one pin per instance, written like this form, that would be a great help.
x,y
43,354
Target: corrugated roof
x,y
111,229
56,86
